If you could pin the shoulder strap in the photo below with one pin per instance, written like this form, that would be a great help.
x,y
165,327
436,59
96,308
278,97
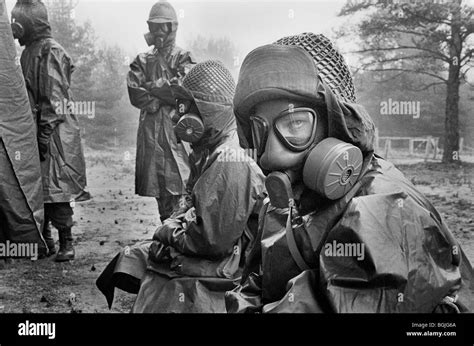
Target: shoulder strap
x,y
290,238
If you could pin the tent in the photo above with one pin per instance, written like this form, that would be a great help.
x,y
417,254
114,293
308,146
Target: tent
x,y
21,190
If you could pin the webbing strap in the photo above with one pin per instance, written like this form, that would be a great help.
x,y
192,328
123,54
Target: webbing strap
x,y
290,238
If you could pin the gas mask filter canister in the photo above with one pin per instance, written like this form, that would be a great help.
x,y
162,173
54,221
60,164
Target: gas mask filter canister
x,y
331,169
189,127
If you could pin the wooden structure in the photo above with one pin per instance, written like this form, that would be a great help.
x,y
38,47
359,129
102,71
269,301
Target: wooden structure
x,y
429,143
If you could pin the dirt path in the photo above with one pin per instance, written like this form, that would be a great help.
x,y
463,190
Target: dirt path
x,y
115,217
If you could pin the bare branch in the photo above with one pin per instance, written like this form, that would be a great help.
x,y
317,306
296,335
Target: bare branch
x,y
411,32
391,78
425,87
408,70
411,57
438,54
468,55
427,19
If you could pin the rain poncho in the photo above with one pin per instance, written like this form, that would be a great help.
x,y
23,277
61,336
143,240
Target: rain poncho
x,y
162,165
410,261
47,71
21,200
200,250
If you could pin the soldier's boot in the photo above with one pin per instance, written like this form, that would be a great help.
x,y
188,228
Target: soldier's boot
x,y
66,249
48,237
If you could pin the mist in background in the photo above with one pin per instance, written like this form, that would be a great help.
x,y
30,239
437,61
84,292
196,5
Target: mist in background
x,y
247,23
104,36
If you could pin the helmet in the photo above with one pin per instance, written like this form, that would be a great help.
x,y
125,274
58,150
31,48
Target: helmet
x,y
330,63
210,81
30,21
162,12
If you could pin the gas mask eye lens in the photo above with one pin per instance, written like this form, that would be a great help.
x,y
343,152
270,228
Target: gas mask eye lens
x,y
259,133
160,29
296,128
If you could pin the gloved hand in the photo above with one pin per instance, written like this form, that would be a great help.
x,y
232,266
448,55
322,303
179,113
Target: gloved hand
x,y
165,233
168,225
158,252
175,81
161,89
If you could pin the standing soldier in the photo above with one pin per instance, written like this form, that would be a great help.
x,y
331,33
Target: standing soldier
x,y
47,70
162,167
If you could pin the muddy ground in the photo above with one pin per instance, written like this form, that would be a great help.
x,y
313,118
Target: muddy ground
x,y
115,217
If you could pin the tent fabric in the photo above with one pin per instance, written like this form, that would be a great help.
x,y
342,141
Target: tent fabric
x,y
21,200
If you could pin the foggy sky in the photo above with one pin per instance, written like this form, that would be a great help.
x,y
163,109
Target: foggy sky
x,y
247,23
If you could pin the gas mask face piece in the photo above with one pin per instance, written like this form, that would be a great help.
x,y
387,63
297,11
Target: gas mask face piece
x,y
18,30
189,125
159,33
330,168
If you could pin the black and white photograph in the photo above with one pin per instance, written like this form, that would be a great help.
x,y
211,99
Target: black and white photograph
x,y
184,171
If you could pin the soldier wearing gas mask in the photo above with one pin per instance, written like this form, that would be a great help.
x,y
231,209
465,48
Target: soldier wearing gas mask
x,y
47,70
344,231
199,251
162,166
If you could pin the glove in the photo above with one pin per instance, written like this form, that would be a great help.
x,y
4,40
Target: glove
x,y
166,232
158,252
161,89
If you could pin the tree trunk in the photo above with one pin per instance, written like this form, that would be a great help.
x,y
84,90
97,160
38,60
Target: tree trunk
x,y
451,138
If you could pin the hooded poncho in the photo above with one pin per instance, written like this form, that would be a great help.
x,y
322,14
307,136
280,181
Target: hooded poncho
x,y
409,260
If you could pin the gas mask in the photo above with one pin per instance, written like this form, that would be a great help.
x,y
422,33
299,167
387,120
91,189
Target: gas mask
x,y
18,30
189,125
160,34
330,168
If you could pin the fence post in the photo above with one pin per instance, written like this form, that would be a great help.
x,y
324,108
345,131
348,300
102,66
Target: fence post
x,y
410,146
436,142
376,140
427,150
388,145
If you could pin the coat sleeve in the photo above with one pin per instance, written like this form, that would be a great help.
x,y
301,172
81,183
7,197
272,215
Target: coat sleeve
x,y
182,63
54,80
139,94
225,198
